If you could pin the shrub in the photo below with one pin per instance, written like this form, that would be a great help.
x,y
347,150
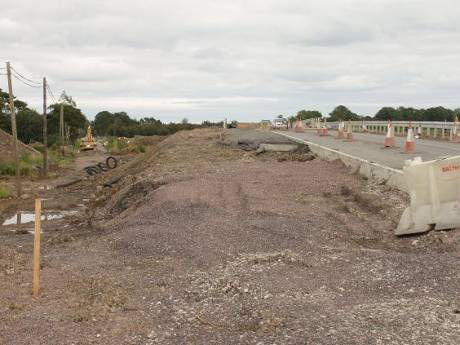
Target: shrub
x,y
141,148
7,169
5,192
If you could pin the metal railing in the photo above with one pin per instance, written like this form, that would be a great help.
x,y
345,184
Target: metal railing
x,y
415,124
428,128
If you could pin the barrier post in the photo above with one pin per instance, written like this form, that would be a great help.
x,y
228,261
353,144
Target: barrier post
x,y
349,136
340,130
36,255
409,145
389,140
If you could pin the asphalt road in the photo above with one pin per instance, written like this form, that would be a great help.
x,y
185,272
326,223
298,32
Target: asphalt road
x,y
370,147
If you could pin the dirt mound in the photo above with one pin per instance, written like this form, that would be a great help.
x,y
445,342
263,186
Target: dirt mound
x,y
169,160
7,147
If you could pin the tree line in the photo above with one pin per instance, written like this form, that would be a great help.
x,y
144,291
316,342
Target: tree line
x,y
30,123
120,124
342,113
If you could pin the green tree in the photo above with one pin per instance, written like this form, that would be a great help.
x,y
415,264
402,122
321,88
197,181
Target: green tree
x,y
102,122
28,121
73,117
408,114
121,123
305,115
385,114
149,121
438,114
342,113
308,114
29,125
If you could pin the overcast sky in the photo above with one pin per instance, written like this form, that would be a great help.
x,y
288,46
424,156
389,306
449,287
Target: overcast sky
x,y
241,59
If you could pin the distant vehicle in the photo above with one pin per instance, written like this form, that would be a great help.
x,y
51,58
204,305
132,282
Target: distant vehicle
x,y
232,124
88,142
279,123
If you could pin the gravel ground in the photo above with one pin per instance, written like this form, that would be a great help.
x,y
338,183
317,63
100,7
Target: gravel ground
x,y
205,244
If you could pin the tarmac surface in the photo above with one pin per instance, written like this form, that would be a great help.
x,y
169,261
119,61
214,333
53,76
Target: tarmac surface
x,y
370,147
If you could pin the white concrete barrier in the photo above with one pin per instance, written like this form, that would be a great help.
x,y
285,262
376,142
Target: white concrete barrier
x,y
434,189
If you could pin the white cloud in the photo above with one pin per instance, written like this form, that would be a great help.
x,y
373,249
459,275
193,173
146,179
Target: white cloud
x,y
246,59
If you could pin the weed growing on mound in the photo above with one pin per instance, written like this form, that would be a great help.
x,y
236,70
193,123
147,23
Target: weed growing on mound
x,y
5,192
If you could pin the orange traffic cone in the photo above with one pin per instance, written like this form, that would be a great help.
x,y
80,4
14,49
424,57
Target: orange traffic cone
x,y
299,127
323,130
349,134
340,131
409,145
318,126
389,140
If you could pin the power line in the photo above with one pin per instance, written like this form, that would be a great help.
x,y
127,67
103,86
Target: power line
x,y
51,92
27,79
24,82
29,82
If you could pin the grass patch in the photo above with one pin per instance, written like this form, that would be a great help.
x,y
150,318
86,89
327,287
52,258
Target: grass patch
x,y
139,148
76,145
7,169
5,192
28,165
57,161
115,145
31,165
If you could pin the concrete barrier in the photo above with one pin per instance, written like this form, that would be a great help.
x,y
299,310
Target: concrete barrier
x,y
378,172
434,189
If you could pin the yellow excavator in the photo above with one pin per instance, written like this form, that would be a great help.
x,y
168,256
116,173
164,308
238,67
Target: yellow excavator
x,y
87,142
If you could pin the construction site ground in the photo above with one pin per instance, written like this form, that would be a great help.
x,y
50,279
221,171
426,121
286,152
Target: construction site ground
x,y
205,241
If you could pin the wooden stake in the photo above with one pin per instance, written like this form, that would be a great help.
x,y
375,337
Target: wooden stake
x,y
36,257
14,130
61,127
45,132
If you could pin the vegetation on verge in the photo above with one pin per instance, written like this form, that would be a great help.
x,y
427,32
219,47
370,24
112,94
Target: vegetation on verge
x,y
120,145
31,165
5,192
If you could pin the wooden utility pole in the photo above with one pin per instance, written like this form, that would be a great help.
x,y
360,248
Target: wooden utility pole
x,y
45,132
61,127
14,130
67,133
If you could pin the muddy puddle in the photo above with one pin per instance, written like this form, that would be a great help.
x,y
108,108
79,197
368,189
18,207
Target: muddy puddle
x,y
24,217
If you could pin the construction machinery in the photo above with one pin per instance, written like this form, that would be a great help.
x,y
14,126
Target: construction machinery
x,y
87,142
